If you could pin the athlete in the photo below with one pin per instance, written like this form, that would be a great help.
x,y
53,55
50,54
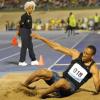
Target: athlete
x,y
80,70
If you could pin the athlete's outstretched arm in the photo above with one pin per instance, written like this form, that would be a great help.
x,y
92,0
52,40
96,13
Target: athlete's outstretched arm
x,y
96,79
67,51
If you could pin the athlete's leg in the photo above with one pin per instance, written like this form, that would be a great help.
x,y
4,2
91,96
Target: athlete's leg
x,y
37,75
60,84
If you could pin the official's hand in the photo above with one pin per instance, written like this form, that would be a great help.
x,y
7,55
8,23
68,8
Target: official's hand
x,y
17,33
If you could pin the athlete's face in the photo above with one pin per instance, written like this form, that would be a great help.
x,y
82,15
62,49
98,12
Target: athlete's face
x,y
87,54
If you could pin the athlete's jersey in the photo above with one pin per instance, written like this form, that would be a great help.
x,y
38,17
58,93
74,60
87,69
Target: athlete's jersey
x,y
78,73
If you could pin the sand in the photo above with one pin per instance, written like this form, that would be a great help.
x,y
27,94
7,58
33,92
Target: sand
x,y
10,89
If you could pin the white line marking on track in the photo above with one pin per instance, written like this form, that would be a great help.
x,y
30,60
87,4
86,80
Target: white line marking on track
x,y
61,64
68,64
6,48
39,45
98,63
9,56
49,68
11,47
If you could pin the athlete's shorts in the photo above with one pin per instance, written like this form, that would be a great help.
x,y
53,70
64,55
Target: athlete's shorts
x,y
61,92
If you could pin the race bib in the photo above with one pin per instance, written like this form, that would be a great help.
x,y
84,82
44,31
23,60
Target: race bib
x,y
77,72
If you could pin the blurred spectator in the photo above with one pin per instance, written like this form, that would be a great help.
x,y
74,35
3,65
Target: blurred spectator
x,y
47,4
84,24
10,3
92,2
7,25
91,24
12,26
63,23
83,2
2,3
73,3
71,24
96,21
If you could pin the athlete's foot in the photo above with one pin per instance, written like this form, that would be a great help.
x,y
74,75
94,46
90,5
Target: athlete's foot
x,y
40,96
27,90
29,87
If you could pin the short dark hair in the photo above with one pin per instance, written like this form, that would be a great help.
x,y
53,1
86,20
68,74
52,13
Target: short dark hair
x,y
93,48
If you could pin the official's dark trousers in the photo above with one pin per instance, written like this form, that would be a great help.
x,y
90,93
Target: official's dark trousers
x,y
26,40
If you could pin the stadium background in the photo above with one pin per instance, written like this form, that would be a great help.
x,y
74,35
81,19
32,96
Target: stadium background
x,y
44,10
11,10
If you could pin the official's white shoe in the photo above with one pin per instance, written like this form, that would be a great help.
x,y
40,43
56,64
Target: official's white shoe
x,y
22,64
35,62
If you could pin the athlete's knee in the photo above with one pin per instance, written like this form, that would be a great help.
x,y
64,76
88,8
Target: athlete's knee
x,y
43,72
61,83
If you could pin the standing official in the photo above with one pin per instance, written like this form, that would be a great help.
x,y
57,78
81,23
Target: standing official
x,y
25,26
